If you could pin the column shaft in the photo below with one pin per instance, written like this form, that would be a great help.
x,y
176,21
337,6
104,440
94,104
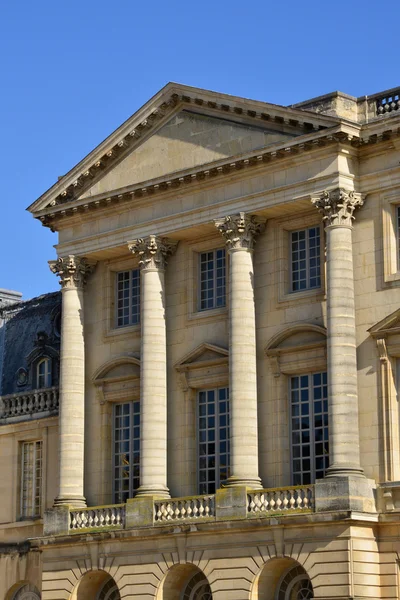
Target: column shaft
x,y
152,252
153,383
73,272
342,359
242,371
72,399
240,231
337,207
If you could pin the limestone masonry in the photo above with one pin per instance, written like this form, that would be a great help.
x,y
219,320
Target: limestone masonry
x,y
208,409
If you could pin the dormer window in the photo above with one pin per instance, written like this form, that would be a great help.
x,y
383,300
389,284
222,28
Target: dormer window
x,y
43,373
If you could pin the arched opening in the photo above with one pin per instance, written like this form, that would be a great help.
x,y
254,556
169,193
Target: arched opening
x,y
282,579
23,591
96,585
184,582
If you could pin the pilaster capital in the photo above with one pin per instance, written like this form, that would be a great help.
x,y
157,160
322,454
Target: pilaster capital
x,y
73,271
240,230
152,251
337,206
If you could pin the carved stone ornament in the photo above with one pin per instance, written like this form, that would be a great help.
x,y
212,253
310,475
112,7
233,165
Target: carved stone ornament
x,y
73,271
337,206
240,230
152,251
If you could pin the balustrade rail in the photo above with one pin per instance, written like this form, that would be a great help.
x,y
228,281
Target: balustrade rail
x,y
184,509
258,503
280,500
101,516
388,103
29,403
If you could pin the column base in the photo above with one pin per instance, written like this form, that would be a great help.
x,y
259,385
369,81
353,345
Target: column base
x,y
253,483
157,491
73,501
344,470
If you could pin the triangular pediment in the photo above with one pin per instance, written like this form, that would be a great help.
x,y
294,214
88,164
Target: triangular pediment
x,y
179,129
205,354
186,141
388,325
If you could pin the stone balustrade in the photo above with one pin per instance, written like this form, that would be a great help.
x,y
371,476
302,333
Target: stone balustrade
x,y
184,509
26,404
97,517
280,500
388,103
227,504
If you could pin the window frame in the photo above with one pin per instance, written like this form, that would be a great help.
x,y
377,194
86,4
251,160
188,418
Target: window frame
x,y
48,373
130,298
308,287
217,440
390,205
37,483
215,252
311,414
131,439
279,247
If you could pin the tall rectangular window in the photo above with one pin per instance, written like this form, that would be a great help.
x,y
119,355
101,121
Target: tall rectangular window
x,y
128,298
305,252
31,479
309,425
126,450
213,439
212,285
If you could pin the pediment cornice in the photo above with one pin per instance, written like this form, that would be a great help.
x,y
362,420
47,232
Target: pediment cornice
x,y
157,111
390,325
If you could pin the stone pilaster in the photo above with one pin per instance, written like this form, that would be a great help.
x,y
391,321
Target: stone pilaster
x,y
153,252
337,207
239,232
73,272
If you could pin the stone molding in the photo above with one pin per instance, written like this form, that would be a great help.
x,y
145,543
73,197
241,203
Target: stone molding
x,y
152,251
337,206
73,271
240,230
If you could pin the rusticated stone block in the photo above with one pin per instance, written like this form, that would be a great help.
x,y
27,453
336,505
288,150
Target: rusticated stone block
x,y
139,512
345,493
231,503
56,521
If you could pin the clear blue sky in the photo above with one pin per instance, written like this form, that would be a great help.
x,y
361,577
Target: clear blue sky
x,y
71,72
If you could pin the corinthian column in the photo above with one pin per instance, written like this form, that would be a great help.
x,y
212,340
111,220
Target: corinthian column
x,y
337,207
73,272
152,252
239,232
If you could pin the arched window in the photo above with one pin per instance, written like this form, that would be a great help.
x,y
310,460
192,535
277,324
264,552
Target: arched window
x,y
198,588
295,585
26,592
109,591
43,373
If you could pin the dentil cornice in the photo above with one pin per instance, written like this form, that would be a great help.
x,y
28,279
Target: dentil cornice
x,y
337,206
240,230
152,251
73,271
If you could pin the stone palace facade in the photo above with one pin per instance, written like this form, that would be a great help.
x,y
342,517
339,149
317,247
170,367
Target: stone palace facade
x,y
226,358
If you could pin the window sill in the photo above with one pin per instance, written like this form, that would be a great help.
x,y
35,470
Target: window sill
x,y
288,298
392,280
122,332
212,314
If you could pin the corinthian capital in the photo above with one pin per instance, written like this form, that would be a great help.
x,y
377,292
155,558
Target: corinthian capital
x,y
240,230
152,251
337,206
73,271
